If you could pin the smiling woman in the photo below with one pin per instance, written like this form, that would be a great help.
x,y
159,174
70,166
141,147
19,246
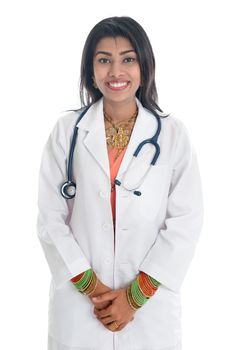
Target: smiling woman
x,y
126,234
116,48
117,75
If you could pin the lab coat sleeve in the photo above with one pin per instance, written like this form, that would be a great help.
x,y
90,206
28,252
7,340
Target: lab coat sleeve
x,y
169,257
63,254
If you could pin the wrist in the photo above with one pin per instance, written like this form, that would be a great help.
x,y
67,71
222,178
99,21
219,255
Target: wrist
x,y
100,289
95,291
86,282
140,290
130,299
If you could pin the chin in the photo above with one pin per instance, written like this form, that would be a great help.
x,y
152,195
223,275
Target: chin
x,y
119,98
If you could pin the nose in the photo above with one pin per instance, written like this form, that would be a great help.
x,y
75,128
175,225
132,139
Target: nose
x,y
115,69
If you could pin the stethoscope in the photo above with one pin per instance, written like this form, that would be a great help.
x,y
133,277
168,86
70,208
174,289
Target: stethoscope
x,y
68,189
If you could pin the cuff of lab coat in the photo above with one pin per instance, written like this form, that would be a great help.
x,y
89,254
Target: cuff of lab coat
x,y
161,275
66,273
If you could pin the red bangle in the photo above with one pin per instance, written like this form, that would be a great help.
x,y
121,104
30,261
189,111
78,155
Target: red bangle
x,y
78,277
145,286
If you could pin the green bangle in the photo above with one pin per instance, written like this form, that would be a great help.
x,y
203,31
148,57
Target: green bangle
x,y
84,280
154,281
137,295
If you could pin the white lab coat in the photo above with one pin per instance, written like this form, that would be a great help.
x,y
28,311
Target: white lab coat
x,y
156,232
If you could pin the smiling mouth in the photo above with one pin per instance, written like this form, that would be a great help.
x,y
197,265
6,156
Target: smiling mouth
x,y
118,85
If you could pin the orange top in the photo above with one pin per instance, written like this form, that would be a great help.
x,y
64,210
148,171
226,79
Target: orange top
x,y
114,167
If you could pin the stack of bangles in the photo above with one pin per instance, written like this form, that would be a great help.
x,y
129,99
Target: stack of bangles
x,y
141,289
138,292
86,282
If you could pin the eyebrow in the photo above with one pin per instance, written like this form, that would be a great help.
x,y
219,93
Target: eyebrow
x,y
109,53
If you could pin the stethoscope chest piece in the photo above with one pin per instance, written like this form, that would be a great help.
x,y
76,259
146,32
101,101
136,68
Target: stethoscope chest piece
x,y
68,189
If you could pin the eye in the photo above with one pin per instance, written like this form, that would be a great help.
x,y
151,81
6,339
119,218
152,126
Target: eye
x,y
129,59
103,60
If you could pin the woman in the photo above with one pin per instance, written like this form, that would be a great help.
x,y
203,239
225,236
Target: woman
x,y
128,234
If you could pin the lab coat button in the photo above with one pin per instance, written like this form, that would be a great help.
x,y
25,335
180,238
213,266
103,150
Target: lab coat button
x,y
105,226
103,194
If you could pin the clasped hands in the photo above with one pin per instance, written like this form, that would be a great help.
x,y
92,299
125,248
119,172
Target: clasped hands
x,y
111,306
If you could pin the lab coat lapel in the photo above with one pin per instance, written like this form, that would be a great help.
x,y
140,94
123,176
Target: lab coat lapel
x,y
144,128
95,141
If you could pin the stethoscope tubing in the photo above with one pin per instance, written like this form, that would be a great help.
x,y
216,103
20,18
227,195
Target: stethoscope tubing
x,y
73,144
153,141
70,184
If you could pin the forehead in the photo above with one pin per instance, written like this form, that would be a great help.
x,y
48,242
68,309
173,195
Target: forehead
x,y
114,44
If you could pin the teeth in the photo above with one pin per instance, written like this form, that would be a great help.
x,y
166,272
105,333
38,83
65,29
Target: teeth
x,y
118,84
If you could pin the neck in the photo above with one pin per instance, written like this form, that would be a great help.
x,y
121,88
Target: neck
x,y
119,111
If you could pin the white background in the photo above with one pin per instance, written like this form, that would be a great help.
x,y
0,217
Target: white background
x,y
41,46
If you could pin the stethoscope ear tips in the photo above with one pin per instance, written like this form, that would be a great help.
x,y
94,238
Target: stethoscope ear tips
x,y
68,190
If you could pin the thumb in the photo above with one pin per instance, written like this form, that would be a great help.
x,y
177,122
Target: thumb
x,y
104,297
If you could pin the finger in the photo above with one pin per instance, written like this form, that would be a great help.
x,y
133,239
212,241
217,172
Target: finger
x,y
96,311
103,313
121,326
106,320
102,306
104,297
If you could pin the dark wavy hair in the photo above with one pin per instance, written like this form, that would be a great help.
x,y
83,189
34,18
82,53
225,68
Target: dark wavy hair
x,y
128,28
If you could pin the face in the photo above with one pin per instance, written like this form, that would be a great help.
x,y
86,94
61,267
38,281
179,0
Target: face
x,y
116,69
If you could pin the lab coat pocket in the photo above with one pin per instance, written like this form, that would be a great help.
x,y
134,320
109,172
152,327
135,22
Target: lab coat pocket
x,y
71,318
154,191
157,324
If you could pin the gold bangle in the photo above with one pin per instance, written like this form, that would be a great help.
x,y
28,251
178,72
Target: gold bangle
x,y
93,289
129,298
88,285
92,285
133,301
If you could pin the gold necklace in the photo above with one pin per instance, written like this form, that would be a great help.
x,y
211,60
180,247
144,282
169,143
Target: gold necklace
x,y
117,136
